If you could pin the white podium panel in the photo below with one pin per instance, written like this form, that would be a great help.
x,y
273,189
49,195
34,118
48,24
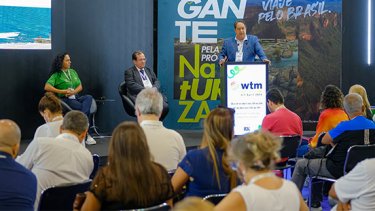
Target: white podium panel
x,y
246,87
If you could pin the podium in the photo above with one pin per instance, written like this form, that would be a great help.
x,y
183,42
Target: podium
x,y
245,88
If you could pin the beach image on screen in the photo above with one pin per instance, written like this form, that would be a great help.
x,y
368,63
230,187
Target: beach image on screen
x,y
25,24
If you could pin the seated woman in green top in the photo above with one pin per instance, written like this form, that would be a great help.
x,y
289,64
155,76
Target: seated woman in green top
x,y
65,83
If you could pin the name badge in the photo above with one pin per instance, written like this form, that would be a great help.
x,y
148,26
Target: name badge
x,y
239,56
147,83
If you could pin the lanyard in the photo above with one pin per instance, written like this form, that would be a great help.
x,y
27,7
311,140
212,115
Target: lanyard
x,y
56,118
68,136
69,77
240,45
261,176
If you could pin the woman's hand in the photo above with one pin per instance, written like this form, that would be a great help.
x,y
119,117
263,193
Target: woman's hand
x,y
69,92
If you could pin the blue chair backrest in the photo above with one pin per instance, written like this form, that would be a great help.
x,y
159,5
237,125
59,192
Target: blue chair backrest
x,y
96,159
215,198
290,145
160,207
356,154
62,197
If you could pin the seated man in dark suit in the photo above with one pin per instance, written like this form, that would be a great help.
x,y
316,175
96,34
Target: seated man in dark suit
x,y
343,136
139,77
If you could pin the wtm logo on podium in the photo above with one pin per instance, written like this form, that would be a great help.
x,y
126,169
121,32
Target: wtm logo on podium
x,y
251,85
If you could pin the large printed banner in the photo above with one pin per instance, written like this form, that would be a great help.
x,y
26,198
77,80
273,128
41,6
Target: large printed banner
x,y
302,38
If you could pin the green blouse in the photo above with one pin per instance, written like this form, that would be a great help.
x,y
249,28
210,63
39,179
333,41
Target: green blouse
x,y
64,80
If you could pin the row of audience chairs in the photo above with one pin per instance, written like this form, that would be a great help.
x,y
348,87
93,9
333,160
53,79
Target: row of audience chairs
x,y
62,197
355,154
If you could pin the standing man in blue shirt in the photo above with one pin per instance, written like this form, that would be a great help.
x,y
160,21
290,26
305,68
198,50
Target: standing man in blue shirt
x,y
242,48
17,184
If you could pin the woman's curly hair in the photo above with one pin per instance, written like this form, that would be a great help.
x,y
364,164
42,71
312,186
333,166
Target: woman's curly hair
x,y
57,63
332,97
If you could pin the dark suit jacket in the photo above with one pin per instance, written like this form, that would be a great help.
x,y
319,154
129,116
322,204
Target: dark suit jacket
x,y
134,82
251,47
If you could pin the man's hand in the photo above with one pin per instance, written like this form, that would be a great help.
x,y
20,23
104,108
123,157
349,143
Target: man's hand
x,y
267,61
343,206
222,61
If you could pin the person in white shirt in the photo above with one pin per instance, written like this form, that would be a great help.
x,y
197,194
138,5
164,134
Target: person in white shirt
x,y
51,110
60,160
356,190
254,155
166,145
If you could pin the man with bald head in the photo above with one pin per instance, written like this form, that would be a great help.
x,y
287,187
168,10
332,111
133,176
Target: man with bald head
x,y
60,160
17,184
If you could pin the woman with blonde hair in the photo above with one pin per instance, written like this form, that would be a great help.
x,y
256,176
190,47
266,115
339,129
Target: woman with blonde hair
x,y
362,91
207,168
255,154
131,179
193,203
50,109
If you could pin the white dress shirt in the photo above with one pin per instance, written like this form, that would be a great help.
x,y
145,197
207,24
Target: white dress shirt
x,y
166,145
56,161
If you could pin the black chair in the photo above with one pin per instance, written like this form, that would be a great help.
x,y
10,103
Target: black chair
x,y
290,145
289,151
355,154
126,101
160,207
93,109
61,197
215,198
96,159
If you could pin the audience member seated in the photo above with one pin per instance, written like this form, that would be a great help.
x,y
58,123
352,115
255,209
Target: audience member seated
x,y
139,77
64,82
166,145
362,91
255,154
344,135
50,109
193,203
356,190
60,160
17,184
281,121
207,169
131,179
331,103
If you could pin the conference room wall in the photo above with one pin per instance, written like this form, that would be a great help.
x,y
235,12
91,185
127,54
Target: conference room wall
x,y
23,74
355,69
100,37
